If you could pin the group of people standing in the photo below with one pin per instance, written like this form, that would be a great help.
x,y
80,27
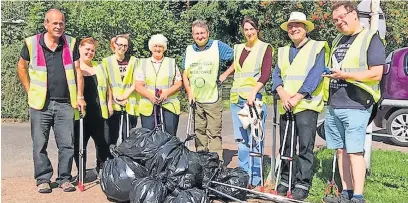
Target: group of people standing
x,y
63,77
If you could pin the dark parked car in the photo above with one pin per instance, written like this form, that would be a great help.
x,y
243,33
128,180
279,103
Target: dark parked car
x,y
393,111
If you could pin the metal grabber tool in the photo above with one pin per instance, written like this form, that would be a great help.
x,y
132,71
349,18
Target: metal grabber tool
x,y
159,107
331,187
291,120
256,135
190,132
82,153
122,114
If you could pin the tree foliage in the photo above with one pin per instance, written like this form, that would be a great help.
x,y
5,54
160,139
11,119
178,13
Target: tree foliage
x,y
141,19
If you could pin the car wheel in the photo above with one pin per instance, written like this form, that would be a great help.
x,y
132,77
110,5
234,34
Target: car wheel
x,y
397,125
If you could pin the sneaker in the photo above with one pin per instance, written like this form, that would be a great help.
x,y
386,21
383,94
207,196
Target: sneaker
x,y
334,199
282,190
300,194
67,187
355,200
44,188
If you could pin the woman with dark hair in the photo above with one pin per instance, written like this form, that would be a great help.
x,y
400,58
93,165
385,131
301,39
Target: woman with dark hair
x,y
120,68
98,99
252,67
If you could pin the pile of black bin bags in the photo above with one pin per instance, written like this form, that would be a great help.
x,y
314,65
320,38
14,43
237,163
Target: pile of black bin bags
x,y
153,166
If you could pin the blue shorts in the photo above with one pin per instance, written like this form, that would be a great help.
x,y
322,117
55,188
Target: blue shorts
x,y
346,128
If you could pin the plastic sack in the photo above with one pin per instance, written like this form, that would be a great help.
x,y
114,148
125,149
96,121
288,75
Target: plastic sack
x,y
142,144
117,177
232,176
209,162
148,190
163,157
193,195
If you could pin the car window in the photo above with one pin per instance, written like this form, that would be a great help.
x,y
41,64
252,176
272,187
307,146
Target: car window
x,y
406,64
389,58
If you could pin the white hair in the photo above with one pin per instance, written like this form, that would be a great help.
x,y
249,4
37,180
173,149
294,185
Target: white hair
x,y
158,39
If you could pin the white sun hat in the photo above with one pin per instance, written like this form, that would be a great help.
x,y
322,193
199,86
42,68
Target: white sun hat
x,y
298,17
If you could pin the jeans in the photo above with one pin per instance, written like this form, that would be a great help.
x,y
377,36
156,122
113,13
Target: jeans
x,y
97,128
170,121
59,116
244,146
305,131
114,125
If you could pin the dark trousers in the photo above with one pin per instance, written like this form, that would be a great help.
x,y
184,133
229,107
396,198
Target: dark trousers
x,y
59,116
114,125
97,128
305,131
170,121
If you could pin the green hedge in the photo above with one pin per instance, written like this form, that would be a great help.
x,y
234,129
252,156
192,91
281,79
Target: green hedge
x,y
105,19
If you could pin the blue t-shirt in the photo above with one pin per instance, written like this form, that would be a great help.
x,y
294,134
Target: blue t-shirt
x,y
344,95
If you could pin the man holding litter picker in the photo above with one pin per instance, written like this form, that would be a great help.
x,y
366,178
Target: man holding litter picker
x,y
297,81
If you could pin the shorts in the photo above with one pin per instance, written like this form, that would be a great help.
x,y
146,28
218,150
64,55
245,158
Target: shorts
x,y
346,128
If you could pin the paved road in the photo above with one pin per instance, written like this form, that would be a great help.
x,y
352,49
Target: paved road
x,y
17,164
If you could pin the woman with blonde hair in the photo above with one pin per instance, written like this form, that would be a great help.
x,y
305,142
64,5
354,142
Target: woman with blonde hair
x,y
158,81
120,68
98,109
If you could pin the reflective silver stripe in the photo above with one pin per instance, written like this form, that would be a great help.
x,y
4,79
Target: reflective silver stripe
x,y
295,77
111,74
152,87
39,83
34,51
258,60
171,64
69,67
236,52
144,66
245,89
71,82
132,102
103,103
352,70
102,88
280,50
245,75
124,86
311,58
363,51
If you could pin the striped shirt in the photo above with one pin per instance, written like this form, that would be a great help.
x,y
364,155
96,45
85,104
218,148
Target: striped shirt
x,y
225,51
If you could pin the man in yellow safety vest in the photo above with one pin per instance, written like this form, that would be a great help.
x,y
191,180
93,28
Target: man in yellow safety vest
x,y
201,63
357,58
49,72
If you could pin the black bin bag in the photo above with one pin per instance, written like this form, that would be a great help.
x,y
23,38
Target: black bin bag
x,y
232,176
148,190
118,175
192,195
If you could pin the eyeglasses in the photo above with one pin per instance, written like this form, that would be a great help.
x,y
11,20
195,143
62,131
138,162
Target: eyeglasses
x,y
341,17
122,45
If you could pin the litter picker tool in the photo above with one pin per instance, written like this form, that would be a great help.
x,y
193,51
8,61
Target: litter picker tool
x,y
120,137
290,120
190,132
159,107
257,135
332,186
82,152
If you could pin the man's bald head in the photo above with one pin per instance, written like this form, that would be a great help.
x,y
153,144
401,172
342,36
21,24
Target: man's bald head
x,y
54,23
52,13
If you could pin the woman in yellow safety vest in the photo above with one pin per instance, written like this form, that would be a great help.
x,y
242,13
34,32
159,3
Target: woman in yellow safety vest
x,y
120,68
99,105
158,81
252,69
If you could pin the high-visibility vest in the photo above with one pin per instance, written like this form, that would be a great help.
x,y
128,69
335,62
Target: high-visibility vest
x,y
246,77
38,71
162,80
102,86
355,60
294,74
202,71
118,86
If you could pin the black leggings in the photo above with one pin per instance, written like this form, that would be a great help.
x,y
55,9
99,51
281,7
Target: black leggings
x,y
97,128
114,125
